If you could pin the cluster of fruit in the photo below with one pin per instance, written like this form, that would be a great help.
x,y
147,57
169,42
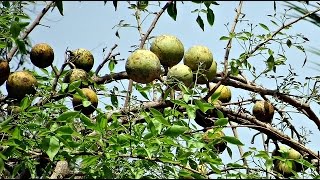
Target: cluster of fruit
x,y
22,83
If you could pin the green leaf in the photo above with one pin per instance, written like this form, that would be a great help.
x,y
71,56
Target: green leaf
x,y
53,148
270,62
74,85
67,116
25,103
60,7
289,43
159,117
264,26
111,65
86,103
191,111
221,122
175,130
232,140
210,17
200,22
172,10
142,5
64,130
87,121
1,165
3,45
115,4
114,100
21,46
224,38
203,106
7,5
15,29
197,2
16,134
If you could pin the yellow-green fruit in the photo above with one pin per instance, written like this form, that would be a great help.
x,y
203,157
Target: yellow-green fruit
x,y
77,75
4,71
225,92
42,55
143,66
263,111
198,55
169,50
207,75
21,83
221,145
180,73
91,96
206,119
82,59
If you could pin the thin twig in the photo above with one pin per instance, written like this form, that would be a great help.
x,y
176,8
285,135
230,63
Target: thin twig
x,y
29,29
106,59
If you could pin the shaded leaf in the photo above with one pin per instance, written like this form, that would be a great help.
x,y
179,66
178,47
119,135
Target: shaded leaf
x,y
200,22
232,140
210,17
289,43
115,4
175,130
15,29
264,26
172,10
59,5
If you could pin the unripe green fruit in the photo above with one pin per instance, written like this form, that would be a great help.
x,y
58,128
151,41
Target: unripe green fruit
x,y
4,71
91,96
169,50
143,66
263,111
82,59
77,75
180,73
221,145
21,83
198,57
42,55
225,92
207,75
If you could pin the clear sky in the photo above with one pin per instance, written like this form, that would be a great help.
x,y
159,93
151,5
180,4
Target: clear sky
x,y
89,25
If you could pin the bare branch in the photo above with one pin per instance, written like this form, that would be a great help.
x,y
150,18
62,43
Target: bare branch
x,y
106,59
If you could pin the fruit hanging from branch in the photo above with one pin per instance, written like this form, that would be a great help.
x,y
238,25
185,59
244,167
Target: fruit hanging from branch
x,y
169,50
263,111
77,75
198,57
82,59
4,71
143,66
208,75
214,137
21,83
207,119
42,55
179,73
91,96
225,92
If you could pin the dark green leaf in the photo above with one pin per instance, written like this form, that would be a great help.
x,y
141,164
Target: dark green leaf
x,y
15,29
232,140
264,26
203,106
87,121
175,130
172,10
64,130
114,100
210,16
1,165
7,5
60,7
197,2
224,38
117,34
21,46
69,115
289,43
142,5
200,22
115,4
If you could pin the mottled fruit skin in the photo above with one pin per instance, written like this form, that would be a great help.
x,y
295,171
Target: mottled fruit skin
x,y
198,55
77,75
92,97
263,111
82,59
180,73
4,71
207,75
206,119
286,167
143,66
169,50
221,145
42,55
225,92
21,83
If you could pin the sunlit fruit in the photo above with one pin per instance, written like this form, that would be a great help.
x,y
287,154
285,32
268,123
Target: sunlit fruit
x,y
143,66
198,57
82,59
21,83
215,137
42,55
4,71
77,75
225,92
78,104
207,119
205,76
169,50
263,111
179,73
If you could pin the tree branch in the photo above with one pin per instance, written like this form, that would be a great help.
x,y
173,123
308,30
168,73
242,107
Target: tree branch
x,y
106,59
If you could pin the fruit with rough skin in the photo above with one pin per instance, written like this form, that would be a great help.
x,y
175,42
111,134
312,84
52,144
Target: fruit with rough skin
x,y
225,92
206,119
42,55
221,145
91,96
21,83
207,75
82,59
4,71
143,66
198,57
179,73
169,50
77,75
263,111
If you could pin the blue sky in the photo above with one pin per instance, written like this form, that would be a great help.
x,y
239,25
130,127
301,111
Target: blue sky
x,y
89,25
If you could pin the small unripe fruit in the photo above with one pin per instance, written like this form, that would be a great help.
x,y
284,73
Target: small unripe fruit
x,y
143,66
21,83
4,71
91,96
180,73
169,50
42,55
263,111
82,59
198,57
225,92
